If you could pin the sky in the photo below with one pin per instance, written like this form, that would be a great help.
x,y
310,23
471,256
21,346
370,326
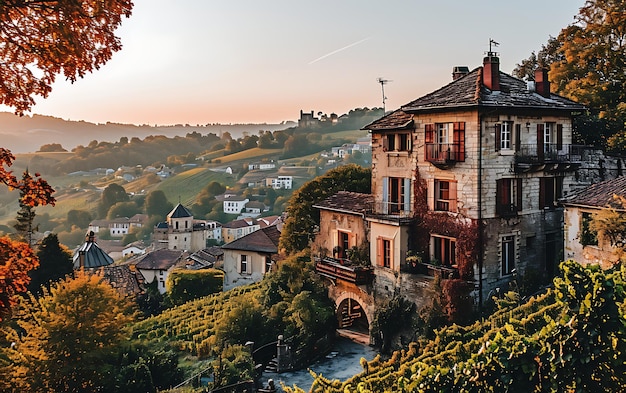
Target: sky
x,y
250,61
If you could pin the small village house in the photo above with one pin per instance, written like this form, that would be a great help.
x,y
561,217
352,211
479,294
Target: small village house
x,y
248,259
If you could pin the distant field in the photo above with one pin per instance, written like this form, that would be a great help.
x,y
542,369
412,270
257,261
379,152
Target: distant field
x,y
348,134
254,153
66,201
185,186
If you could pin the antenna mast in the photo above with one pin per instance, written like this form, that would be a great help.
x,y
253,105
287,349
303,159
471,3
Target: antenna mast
x,y
383,82
494,43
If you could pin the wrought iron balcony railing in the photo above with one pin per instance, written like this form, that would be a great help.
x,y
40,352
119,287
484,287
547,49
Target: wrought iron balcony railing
x,y
549,153
443,152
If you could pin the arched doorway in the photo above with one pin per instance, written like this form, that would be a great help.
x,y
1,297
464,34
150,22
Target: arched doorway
x,y
352,316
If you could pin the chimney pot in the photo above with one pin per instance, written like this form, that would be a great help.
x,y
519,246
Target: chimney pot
x,y
459,72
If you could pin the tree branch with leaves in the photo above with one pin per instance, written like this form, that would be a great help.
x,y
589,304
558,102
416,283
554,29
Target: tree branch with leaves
x,y
41,39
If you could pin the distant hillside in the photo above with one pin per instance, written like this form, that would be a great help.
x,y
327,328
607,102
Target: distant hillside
x,y
29,133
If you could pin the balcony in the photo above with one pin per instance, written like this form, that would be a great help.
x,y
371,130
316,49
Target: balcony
x,y
443,153
427,269
342,269
506,210
391,211
533,157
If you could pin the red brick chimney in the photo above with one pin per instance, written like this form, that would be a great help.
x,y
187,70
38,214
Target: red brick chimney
x,y
491,71
542,85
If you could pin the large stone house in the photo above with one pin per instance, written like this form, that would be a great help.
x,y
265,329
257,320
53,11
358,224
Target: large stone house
x,y
466,180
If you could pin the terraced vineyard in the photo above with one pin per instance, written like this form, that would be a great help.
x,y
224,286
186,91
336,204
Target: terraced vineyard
x,y
570,339
189,326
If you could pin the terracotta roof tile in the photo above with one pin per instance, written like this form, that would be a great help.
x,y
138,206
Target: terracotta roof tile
x,y
599,194
469,91
349,202
159,260
263,240
397,120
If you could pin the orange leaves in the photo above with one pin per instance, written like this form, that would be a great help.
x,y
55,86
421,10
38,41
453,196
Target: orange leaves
x,y
16,260
43,39
36,191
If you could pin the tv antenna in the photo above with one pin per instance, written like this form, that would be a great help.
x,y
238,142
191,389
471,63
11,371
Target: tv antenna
x,y
494,43
383,82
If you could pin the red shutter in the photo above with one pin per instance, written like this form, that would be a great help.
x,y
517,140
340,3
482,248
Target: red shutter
x,y
429,137
540,140
518,136
459,140
559,136
498,136
452,197
430,130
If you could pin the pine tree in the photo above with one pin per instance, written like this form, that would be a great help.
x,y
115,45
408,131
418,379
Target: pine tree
x,y
25,216
55,262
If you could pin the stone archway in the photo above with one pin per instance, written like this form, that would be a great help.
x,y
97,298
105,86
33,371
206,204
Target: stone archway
x,y
353,312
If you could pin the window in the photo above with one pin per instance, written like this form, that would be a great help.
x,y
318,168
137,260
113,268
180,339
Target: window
x,y
396,195
243,266
398,142
384,252
508,137
549,138
344,244
508,254
550,191
508,197
587,236
443,250
445,195
445,142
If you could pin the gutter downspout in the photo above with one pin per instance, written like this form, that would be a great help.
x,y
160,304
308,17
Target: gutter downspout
x,y
480,212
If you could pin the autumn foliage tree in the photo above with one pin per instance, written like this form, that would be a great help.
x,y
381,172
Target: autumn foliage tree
x,y
71,333
41,39
587,63
17,258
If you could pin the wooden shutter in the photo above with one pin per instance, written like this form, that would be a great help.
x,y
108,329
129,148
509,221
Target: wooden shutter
x,y
379,251
429,137
459,140
540,128
559,136
452,200
385,205
407,194
518,137
498,132
503,195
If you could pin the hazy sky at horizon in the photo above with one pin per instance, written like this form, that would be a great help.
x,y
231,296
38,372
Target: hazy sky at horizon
x,y
249,61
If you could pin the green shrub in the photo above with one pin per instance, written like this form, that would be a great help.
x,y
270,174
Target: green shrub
x,y
184,285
